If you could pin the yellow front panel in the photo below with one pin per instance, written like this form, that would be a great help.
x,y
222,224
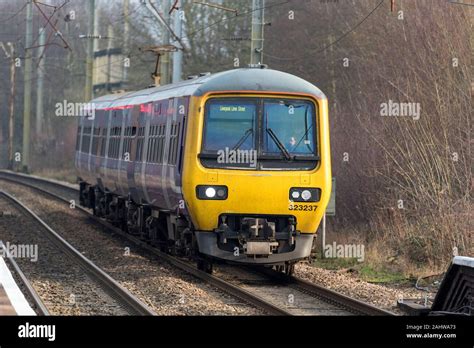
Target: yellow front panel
x,y
251,191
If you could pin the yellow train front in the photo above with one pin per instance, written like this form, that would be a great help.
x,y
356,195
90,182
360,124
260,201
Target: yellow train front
x,y
257,169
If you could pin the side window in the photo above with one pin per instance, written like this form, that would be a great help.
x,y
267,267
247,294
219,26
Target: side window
x,y
86,139
103,142
112,153
156,143
127,142
161,141
174,137
140,141
109,140
155,149
151,140
117,145
78,138
170,149
95,141
149,147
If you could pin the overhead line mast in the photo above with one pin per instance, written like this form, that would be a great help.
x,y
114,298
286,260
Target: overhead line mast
x,y
178,29
88,91
25,158
126,40
40,82
11,102
162,75
165,61
258,23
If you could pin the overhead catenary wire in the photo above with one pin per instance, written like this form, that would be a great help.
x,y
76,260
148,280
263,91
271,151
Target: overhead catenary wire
x,y
131,15
211,25
137,8
279,4
15,14
53,26
331,43
234,17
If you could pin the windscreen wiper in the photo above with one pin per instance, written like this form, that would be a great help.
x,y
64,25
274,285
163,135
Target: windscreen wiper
x,y
280,145
242,140
305,135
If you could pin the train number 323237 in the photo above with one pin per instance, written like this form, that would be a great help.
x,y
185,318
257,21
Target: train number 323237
x,y
302,207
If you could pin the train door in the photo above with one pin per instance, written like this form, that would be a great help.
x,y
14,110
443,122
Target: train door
x,y
78,148
135,127
123,157
177,150
97,142
142,151
108,150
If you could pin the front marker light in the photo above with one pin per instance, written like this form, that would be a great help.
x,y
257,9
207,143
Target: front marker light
x,y
295,195
305,194
211,192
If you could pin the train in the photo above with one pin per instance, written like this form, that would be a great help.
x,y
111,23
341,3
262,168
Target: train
x,y
231,167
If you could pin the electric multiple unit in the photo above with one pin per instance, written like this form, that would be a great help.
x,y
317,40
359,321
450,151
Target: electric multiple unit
x,y
232,166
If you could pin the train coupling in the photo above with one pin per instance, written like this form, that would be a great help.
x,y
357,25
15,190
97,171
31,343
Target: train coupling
x,y
260,248
256,236
261,237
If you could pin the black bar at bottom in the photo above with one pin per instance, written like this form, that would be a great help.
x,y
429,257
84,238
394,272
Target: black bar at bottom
x,y
192,331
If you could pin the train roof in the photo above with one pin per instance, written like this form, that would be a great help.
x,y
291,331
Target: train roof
x,y
246,79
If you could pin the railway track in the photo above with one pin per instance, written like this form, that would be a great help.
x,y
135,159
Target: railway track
x,y
32,296
271,291
337,300
296,296
115,295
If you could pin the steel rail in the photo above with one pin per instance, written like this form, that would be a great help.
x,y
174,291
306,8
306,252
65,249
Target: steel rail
x,y
38,304
112,287
333,297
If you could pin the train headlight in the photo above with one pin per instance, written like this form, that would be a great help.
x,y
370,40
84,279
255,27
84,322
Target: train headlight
x,y
210,192
213,192
303,194
306,195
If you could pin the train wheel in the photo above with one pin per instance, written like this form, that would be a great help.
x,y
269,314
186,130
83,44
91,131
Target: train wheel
x,y
278,268
208,268
289,269
204,265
